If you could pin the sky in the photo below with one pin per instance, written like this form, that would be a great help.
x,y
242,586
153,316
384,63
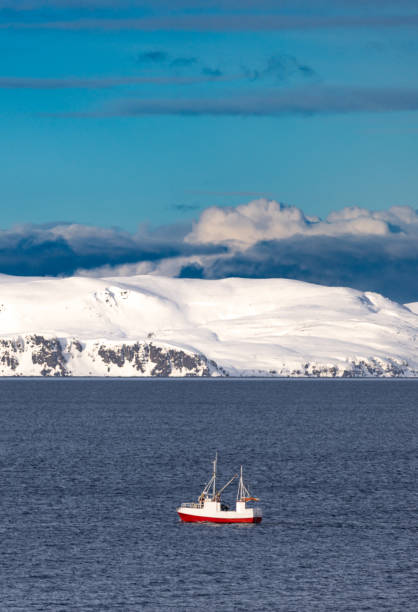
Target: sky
x,y
134,118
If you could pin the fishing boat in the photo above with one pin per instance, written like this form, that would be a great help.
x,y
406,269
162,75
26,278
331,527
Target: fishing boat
x,y
210,508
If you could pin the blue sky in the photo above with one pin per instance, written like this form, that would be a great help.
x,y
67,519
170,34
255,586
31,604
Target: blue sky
x,y
123,122
91,154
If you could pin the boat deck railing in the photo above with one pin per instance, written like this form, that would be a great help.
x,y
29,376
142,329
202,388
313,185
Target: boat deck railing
x,y
191,505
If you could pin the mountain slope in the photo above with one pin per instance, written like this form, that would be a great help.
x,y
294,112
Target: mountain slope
x,y
148,325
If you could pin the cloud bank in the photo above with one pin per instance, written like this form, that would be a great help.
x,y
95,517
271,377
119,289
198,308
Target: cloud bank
x,y
63,248
356,247
384,265
368,250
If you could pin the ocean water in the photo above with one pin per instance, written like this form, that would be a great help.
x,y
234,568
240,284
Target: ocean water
x,y
91,473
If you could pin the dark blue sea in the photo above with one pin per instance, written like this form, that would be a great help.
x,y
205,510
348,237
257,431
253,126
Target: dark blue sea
x,y
91,473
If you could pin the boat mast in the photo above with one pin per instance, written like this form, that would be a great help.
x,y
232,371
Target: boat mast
x,y
242,492
214,475
210,487
240,484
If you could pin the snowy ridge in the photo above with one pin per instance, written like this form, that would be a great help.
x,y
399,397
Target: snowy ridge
x,y
157,326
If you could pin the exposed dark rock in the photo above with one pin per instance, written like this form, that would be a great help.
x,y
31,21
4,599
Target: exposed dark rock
x,y
164,360
357,369
9,348
131,353
47,352
55,359
77,345
9,360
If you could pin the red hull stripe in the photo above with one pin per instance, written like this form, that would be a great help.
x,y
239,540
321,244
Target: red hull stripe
x,y
193,518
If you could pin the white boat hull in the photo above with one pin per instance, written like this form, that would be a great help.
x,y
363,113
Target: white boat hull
x,y
211,512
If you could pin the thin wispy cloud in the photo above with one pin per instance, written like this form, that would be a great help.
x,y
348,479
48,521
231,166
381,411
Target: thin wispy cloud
x,y
152,57
223,22
212,72
299,101
192,71
179,64
30,5
231,194
186,207
280,67
97,82
183,62
180,70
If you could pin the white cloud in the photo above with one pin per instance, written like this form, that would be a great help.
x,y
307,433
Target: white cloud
x,y
263,220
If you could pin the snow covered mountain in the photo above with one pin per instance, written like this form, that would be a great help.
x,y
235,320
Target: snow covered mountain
x,y
157,326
